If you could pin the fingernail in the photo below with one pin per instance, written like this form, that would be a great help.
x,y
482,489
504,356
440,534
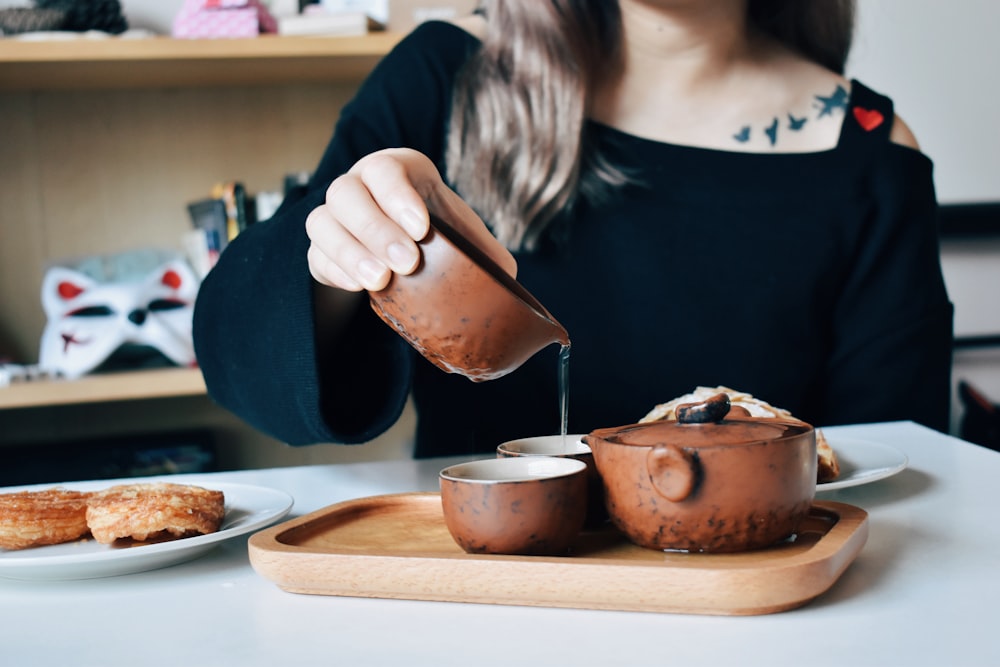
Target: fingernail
x,y
372,271
413,223
402,257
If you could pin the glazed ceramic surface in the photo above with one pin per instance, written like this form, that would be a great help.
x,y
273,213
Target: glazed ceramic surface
x,y
721,485
464,313
523,506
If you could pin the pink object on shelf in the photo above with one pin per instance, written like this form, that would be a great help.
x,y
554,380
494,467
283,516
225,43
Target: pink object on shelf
x,y
222,19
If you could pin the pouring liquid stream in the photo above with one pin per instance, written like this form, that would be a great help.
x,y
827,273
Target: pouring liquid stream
x,y
564,392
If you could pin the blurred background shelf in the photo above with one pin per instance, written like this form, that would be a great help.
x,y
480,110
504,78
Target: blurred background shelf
x,y
110,137
151,62
98,388
107,140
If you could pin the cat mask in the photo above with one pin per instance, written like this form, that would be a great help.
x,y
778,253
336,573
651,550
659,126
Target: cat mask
x,y
89,320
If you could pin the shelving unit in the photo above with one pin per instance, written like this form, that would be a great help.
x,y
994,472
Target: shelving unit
x,y
65,85
99,388
104,142
115,63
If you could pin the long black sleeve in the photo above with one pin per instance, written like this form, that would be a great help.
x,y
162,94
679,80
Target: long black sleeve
x,y
254,324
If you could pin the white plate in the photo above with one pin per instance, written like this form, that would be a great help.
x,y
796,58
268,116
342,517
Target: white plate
x,y
862,462
248,508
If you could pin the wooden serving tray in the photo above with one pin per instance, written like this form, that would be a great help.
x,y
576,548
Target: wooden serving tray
x,y
397,546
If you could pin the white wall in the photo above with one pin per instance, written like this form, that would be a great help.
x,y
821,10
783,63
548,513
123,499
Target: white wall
x,y
155,15
937,59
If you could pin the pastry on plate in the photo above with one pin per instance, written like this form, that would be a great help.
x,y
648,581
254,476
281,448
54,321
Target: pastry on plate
x,y
827,469
154,511
38,518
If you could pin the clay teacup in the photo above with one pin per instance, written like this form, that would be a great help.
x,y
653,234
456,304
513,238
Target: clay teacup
x,y
710,481
531,505
569,446
463,312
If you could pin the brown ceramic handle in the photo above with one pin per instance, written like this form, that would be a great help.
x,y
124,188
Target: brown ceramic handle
x,y
672,471
712,409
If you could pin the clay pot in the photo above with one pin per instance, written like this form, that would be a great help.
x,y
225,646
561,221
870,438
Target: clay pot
x,y
709,482
463,312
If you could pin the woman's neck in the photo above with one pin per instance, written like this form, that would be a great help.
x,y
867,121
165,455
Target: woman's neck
x,y
695,72
686,45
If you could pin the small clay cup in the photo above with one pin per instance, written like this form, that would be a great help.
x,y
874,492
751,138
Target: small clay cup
x,y
569,446
463,312
532,505
708,482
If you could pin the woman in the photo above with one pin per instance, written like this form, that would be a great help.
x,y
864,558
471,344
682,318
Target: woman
x,y
691,187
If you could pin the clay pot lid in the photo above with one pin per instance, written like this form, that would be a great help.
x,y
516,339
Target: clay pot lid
x,y
712,422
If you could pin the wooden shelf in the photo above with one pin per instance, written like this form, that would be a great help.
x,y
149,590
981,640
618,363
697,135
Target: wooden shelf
x,y
59,126
125,386
154,62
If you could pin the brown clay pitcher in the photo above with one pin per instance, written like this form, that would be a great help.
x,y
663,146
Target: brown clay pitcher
x,y
463,312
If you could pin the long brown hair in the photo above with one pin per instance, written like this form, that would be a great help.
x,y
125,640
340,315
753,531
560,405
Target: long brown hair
x,y
517,144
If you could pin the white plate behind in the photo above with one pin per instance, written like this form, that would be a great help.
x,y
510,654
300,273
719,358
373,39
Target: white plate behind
x,y
863,462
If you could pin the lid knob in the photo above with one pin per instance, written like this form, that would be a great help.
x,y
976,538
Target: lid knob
x,y
712,409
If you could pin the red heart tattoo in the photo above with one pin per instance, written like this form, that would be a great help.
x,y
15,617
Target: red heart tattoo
x,y
868,119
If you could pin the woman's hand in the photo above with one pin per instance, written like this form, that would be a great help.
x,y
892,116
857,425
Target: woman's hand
x,y
375,214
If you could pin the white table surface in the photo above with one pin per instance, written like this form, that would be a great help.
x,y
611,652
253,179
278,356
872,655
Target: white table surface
x,y
925,590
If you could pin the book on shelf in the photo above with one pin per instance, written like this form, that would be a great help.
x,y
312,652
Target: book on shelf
x,y
215,221
210,233
210,217
238,207
328,23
